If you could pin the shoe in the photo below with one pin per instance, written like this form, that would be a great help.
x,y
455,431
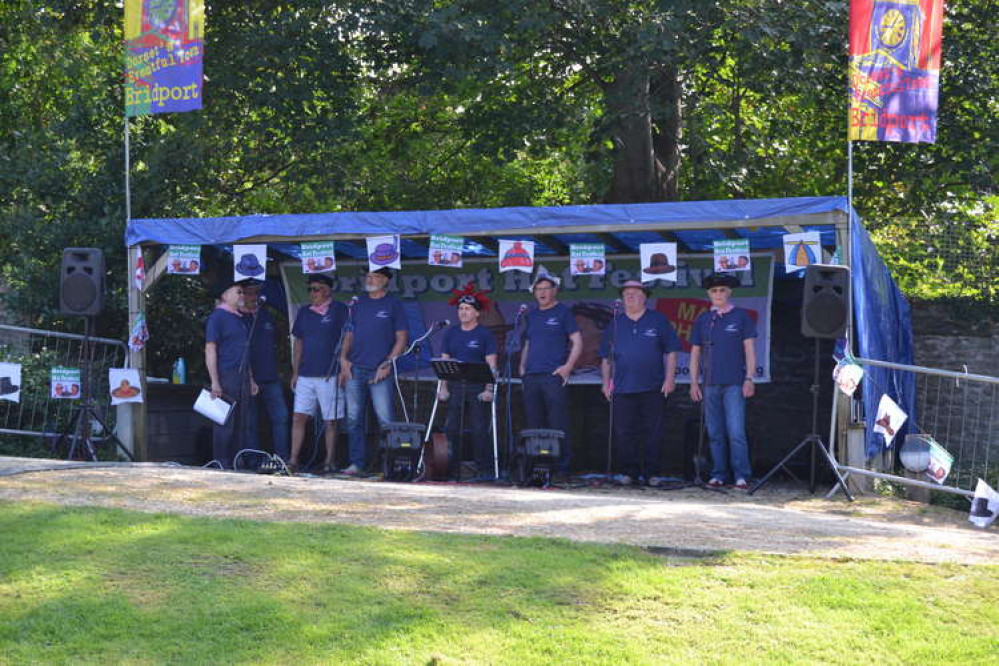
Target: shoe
x,y
657,481
292,467
622,479
353,470
328,469
740,484
715,482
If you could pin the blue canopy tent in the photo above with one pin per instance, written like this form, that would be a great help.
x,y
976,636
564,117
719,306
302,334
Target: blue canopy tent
x,y
882,326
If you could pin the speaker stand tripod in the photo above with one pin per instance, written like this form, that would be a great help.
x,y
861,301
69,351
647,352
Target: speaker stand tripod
x,y
80,422
813,439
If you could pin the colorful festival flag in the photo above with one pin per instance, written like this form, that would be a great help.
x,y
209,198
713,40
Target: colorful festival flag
x,y
164,51
894,69
140,272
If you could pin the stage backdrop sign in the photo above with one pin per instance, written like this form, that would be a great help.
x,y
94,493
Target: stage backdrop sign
x,y
425,290
587,258
445,250
318,257
184,260
164,51
65,383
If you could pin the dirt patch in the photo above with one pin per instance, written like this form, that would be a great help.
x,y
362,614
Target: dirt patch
x,y
777,519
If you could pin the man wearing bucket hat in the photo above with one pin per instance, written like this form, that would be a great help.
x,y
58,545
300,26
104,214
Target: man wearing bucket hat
x,y
550,352
723,359
638,349
376,337
226,358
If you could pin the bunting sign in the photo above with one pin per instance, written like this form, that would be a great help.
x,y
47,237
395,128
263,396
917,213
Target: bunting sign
x,y
894,69
164,51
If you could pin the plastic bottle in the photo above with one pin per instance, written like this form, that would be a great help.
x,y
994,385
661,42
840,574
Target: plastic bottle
x,y
179,371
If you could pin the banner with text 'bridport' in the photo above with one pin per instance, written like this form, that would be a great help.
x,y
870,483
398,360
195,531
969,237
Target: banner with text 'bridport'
x,y
164,50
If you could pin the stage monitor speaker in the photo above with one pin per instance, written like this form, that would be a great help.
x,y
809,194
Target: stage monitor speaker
x,y
824,306
81,281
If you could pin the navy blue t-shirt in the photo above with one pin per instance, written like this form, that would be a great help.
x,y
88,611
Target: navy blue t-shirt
x,y
320,335
376,321
469,346
263,343
229,333
639,351
548,332
726,355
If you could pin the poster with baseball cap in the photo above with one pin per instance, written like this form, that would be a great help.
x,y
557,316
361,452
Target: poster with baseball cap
x,y
587,259
65,383
10,382
658,261
318,257
516,255
124,385
249,262
383,252
732,255
445,250
184,260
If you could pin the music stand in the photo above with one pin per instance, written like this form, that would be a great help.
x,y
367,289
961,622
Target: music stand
x,y
452,370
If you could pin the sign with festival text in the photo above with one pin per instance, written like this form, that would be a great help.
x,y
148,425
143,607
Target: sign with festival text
x,y
894,69
424,291
445,250
164,51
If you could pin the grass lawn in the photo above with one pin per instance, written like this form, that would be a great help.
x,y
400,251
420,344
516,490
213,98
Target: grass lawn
x,y
108,586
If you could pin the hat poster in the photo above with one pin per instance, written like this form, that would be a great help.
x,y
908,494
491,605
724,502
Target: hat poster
x,y
383,252
889,419
184,260
318,257
445,250
801,251
587,259
125,385
65,383
10,382
984,505
516,255
249,261
658,261
732,255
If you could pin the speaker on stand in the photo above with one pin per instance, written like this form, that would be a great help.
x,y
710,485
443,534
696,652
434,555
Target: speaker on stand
x,y
824,315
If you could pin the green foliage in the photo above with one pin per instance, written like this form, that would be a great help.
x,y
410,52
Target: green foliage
x,y
109,586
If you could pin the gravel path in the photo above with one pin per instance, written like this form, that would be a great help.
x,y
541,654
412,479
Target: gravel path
x,y
777,519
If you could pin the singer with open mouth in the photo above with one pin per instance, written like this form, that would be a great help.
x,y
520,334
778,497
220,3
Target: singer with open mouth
x,y
722,344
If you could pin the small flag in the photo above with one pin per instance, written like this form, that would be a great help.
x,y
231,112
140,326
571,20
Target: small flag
x,y
140,273
139,334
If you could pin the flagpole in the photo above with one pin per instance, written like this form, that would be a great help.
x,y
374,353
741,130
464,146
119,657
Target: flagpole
x,y
132,420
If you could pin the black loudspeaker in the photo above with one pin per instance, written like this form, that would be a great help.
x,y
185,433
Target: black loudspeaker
x,y
824,312
81,281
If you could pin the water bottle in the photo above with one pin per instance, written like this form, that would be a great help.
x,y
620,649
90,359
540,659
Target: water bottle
x,y
179,371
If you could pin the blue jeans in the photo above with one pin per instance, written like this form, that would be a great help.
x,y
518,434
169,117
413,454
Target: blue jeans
x,y
271,394
358,390
725,413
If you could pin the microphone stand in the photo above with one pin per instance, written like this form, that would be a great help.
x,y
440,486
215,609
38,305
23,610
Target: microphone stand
x,y
414,346
613,369
512,347
706,358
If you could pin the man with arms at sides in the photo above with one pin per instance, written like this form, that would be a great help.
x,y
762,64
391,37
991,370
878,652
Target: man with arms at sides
x,y
550,352
317,332
377,336
263,362
469,342
227,361
644,347
723,359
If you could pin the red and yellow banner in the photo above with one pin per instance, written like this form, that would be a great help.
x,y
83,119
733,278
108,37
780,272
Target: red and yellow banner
x,y
165,45
894,69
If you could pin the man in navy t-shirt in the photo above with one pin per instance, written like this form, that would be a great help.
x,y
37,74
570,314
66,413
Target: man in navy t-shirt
x,y
227,362
317,330
550,352
723,358
377,335
639,366
263,362
469,342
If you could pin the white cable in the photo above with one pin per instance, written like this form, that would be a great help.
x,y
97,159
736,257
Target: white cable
x,y
211,463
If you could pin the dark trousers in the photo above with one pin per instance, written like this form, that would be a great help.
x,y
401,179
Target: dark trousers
x,y
546,405
227,440
271,394
476,420
638,420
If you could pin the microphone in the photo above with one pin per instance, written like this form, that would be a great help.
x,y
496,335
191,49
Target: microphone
x,y
261,298
522,308
353,301
443,323
617,305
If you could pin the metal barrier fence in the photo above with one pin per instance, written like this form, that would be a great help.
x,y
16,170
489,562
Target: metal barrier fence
x,y
961,412
37,414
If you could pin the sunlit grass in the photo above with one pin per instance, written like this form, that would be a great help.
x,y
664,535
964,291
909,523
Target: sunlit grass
x,y
97,585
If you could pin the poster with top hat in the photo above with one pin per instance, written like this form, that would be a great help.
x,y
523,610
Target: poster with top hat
x,y
384,252
124,385
984,506
318,257
516,255
658,261
65,383
732,255
184,260
10,382
801,251
249,262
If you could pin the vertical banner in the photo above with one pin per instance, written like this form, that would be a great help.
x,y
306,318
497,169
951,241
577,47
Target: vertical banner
x,y
894,69
164,50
